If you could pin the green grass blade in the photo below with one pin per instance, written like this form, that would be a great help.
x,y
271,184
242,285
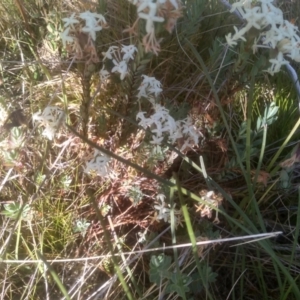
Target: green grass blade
x,y
275,158
191,234
54,276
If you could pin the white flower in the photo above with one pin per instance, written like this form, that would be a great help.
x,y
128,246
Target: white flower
x,y
98,164
51,118
70,21
295,53
163,125
120,67
279,34
91,31
156,140
230,40
163,212
65,37
161,113
150,17
277,63
104,74
149,86
49,132
170,125
241,6
142,91
143,4
128,52
189,130
108,54
177,134
92,21
253,17
144,122
92,18
161,197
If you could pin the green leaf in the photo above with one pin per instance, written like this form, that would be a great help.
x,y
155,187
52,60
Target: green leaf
x,y
284,179
159,266
270,115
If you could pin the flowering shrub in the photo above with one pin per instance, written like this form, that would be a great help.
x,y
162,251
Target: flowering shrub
x,y
273,31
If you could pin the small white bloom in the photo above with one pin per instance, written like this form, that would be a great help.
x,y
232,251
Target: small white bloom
x,y
91,31
158,130
98,164
144,122
149,86
161,197
295,53
108,54
230,40
49,132
151,17
142,91
65,37
92,18
144,4
128,52
120,67
51,118
70,21
176,135
253,18
92,21
241,6
104,74
277,63
163,212
156,140
189,130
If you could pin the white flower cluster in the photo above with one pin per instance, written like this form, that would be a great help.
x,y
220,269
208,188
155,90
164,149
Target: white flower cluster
x,y
93,22
120,61
149,87
275,32
164,212
98,165
163,125
51,118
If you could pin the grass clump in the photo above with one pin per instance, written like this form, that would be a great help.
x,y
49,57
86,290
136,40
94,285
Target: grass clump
x,y
147,152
